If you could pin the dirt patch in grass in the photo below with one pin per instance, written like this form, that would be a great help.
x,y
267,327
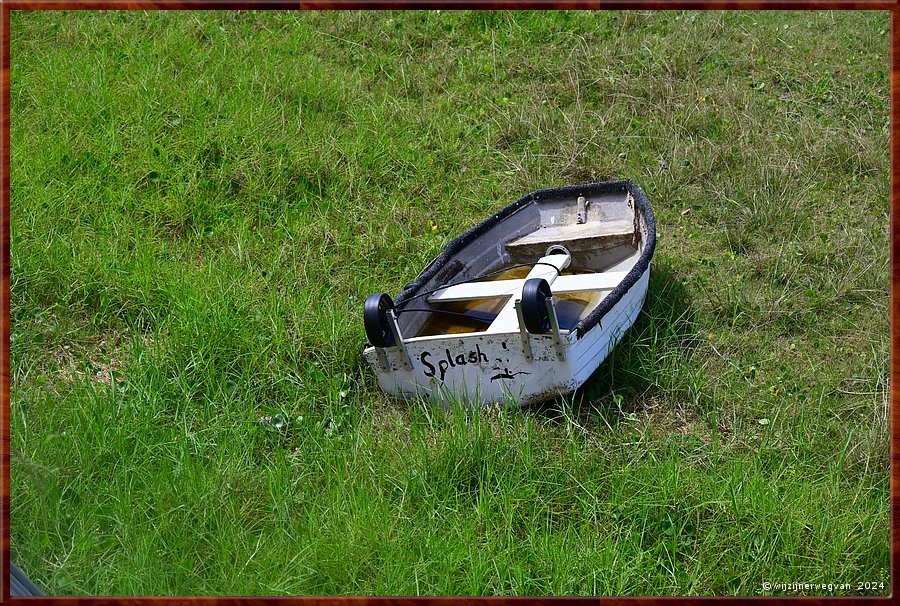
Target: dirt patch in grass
x,y
99,359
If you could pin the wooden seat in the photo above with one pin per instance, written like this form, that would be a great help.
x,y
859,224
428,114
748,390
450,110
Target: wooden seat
x,y
507,288
590,236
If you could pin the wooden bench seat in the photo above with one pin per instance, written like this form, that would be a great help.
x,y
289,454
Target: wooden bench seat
x,y
585,237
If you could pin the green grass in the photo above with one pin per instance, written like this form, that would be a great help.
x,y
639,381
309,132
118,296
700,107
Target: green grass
x,y
201,202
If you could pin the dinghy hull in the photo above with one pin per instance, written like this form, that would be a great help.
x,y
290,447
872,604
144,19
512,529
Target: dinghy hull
x,y
505,363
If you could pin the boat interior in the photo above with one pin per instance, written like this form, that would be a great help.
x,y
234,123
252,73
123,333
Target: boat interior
x,y
582,247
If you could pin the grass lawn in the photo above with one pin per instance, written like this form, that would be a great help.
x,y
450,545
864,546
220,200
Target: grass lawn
x,y
201,202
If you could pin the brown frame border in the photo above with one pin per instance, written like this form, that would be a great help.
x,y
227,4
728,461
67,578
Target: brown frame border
x,y
8,5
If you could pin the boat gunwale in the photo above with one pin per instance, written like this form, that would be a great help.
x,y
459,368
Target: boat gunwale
x,y
584,189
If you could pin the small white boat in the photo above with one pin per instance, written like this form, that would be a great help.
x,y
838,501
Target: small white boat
x,y
522,307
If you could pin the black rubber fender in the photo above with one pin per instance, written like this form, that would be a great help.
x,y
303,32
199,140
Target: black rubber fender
x,y
535,293
378,328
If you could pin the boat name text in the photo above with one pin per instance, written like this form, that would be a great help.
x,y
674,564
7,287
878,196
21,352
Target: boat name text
x,y
476,356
